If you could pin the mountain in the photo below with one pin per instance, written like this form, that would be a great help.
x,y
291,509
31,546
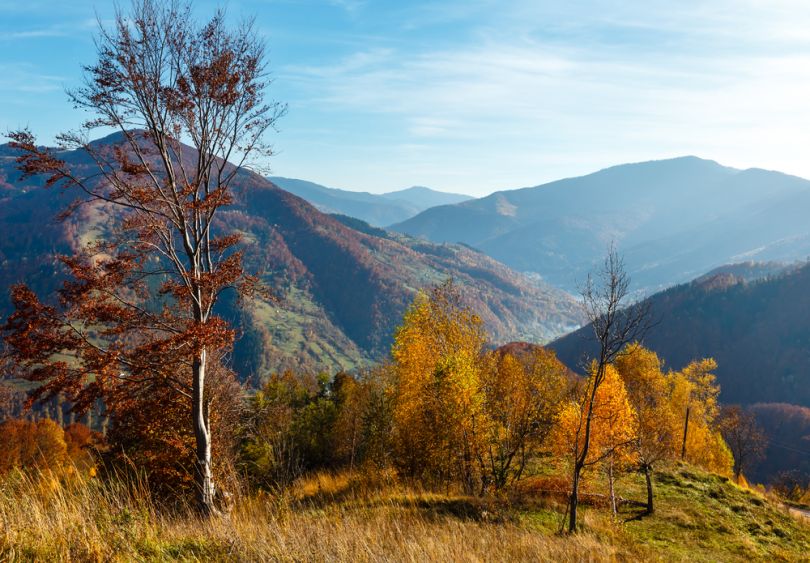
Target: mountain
x,y
751,318
672,220
341,290
758,331
424,198
788,450
751,271
376,209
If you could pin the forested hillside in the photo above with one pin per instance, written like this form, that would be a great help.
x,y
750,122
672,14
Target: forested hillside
x,y
339,291
757,331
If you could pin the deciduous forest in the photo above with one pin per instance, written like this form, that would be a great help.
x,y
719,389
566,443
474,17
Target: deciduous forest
x,y
130,430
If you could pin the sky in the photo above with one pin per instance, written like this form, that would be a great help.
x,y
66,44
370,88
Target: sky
x,y
474,96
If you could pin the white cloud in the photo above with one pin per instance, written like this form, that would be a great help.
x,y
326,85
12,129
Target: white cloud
x,y
726,80
20,77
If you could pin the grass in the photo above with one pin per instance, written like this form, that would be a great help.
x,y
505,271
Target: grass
x,y
293,335
703,517
700,517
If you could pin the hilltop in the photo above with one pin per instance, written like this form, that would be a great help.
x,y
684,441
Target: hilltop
x,y
673,220
378,210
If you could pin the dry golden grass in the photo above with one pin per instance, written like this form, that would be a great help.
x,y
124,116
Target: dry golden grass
x,y
325,518
322,518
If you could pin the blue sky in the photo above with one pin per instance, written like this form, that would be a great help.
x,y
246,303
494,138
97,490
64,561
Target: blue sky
x,y
474,96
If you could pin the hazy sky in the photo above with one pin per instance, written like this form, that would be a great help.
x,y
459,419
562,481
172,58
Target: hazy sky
x,y
478,95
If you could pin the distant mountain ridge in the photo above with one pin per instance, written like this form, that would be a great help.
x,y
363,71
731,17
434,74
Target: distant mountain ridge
x,y
379,210
758,331
673,220
341,290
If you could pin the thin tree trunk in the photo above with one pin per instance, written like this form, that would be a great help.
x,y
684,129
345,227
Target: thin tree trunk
x,y
354,446
648,475
572,514
685,430
581,457
202,435
611,488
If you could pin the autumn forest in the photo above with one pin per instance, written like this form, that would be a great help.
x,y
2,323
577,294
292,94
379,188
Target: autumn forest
x,y
197,364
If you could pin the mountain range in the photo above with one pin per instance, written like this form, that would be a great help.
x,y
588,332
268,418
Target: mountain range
x,y
378,210
342,285
672,220
757,328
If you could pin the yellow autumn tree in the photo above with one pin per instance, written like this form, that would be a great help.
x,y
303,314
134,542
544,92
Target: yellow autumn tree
x,y
438,404
656,423
523,393
694,398
33,445
613,422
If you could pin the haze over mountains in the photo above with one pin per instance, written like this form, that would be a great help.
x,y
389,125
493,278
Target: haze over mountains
x,y
379,210
345,284
673,220
341,290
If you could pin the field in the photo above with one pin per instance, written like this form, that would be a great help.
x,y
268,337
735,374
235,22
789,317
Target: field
x,y
352,517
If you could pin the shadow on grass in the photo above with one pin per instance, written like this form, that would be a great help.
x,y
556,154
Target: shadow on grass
x,y
637,515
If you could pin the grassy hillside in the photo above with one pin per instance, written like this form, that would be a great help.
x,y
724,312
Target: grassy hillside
x,y
701,517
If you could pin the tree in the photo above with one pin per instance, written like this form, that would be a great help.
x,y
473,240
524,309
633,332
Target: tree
x,y
32,445
523,395
11,401
82,445
269,452
139,309
614,326
438,404
695,393
351,399
744,436
612,424
144,432
299,422
649,392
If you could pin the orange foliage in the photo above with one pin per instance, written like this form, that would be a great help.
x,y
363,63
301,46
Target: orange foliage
x,y
150,429
438,390
612,427
523,393
648,389
44,446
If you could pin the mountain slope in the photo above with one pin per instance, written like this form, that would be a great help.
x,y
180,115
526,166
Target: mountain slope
x,y
424,198
376,209
341,291
759,333
672,220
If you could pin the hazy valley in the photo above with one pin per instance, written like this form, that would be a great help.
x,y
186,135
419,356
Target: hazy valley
x,y
206,356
